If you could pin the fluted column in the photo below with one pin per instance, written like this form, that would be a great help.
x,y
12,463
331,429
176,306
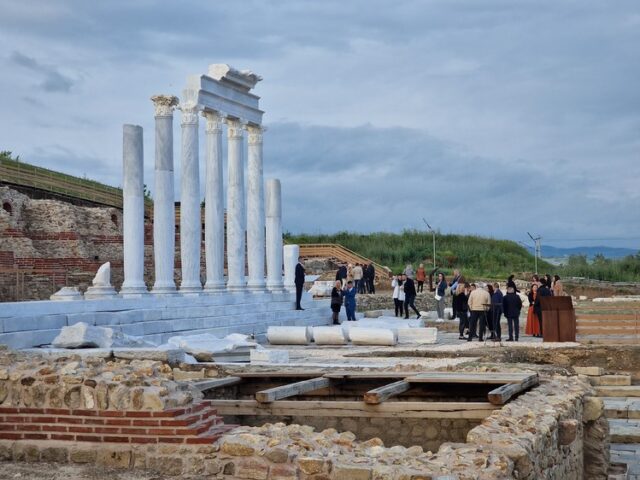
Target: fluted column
x,y
214,204
190,216
163,206
133,212
291,255
273,207
255,211
236,214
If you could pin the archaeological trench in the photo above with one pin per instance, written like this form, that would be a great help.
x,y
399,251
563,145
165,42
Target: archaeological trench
x,y
409,411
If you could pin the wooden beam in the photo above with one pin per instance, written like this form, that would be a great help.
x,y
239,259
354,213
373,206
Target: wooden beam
x,y
315,408
368,375
216,383
489,378
292,389
380,394
500,395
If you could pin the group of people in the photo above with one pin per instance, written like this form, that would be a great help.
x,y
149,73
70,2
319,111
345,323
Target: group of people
x,y
362,276
404,295
540,287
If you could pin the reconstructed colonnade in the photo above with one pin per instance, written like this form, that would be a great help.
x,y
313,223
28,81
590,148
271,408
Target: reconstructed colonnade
x,y
221,97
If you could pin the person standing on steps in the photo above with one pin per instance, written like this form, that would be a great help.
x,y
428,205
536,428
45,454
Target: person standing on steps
x,y
341,274
409,296
350,300
299,281
512,305
336,301
372,278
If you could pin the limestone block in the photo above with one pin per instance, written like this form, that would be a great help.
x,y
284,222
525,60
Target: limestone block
x,y
422,336
591,371
333,335
593,409
289,335
266,356
82,335
428,315
448,313
168,355
66,294
206,346
611,380
373,336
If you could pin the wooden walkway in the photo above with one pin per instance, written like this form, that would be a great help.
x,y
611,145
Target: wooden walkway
x,y
342,254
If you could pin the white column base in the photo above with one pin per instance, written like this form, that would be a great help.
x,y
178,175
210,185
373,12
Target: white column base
x,y
258,287
134,292
95,293
190,289
215,287
164,290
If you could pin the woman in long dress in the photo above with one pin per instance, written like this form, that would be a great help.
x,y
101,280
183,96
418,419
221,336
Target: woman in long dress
x,y
533,324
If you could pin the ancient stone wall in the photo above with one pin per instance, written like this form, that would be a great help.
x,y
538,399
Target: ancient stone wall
x,y
426,433
555,431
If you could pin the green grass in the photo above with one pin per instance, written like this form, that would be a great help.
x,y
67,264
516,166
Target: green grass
x,y
475,256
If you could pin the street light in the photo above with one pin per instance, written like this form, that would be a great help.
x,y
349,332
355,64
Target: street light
x,y
433,233
538,248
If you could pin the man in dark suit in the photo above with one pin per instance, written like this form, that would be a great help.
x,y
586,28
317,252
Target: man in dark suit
x,y
299,281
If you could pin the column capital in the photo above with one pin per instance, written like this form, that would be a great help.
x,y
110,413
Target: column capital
x,y
164,104
255,134
189,113
214,120
236,128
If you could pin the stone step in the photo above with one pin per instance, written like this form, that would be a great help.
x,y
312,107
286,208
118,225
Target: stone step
x,y
620,407
628,453
624,431
619,391
611,380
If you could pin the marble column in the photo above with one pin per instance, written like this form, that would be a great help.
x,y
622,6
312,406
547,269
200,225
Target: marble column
x,y
291,255
255,211
133,212
163,206
273,208
214,204
190,213
236,214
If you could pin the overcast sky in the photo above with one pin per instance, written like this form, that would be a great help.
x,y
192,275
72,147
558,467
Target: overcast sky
x,y
492,117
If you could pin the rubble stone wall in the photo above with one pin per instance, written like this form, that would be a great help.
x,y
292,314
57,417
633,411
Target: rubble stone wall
x,y
428,433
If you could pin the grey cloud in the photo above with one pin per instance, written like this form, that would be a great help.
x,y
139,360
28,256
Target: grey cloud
x,y
53,80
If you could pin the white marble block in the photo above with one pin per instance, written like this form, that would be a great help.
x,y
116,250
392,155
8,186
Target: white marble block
x,y
332,335
82,335
265,356
420,336
373,336
429,315
291,255
289,335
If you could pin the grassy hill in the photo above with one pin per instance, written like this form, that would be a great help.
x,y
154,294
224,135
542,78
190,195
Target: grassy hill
x,y
475,256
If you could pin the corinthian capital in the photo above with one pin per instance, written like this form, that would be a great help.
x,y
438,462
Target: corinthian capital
x,y
189,113
255,134
236,128
164,104
214,121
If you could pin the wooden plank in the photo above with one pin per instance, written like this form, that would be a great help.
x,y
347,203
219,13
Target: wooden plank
x,y
275,374
346,374
292,389
489,378
314,408
500,395
216,383
379,395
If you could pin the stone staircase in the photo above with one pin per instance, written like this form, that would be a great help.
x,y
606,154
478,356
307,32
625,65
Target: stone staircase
x,y
622,409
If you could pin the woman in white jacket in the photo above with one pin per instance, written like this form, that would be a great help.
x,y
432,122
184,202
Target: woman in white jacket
x,y
398,294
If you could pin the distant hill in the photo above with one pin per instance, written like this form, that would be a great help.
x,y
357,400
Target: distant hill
x,y
549,251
